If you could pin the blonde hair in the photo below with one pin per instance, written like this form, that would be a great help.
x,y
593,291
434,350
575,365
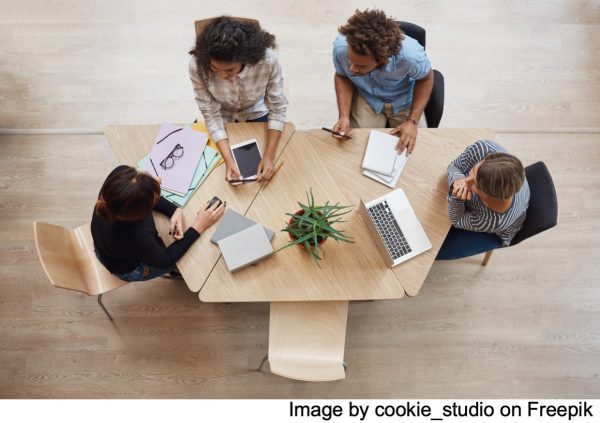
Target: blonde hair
x,y
500,175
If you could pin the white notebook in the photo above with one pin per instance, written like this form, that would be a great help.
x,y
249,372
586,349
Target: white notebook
x,y
381,154
389,181
245,247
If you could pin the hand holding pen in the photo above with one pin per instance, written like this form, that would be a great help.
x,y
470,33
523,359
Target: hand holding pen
x,y
176,227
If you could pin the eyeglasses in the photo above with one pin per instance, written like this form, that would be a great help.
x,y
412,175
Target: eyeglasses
x,y
169,161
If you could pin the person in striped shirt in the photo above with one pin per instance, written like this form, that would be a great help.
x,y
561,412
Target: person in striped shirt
x,y
236,77
488,193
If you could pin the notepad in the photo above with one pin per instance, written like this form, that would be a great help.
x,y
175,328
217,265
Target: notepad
x,y
245,247
381,155
389,181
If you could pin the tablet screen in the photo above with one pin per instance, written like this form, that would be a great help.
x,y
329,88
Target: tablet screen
x,y
247,158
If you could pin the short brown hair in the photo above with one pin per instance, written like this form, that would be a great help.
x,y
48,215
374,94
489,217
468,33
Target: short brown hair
x,y
371,31
127,195
500,175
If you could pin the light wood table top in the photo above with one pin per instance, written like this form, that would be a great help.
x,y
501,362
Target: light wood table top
x,y
348,271
423,180
132,142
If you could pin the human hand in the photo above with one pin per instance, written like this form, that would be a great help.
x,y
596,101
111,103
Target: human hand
x,y
460,190
209,216
265,169
231,172
343,127
407,132
176,227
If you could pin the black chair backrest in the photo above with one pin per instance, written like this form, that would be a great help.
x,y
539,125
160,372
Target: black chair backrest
x,y
542,213
435,107
413,31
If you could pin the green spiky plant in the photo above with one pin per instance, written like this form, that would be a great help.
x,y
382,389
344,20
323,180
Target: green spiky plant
x,y
315,225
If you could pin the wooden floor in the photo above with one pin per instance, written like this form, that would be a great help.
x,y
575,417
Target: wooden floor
x,y
528,325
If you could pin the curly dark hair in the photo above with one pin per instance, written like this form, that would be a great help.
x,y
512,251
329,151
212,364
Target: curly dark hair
x,y
229,40
371,31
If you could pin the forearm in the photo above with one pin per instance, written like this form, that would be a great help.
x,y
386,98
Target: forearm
x,y
165,207
454,173
272,143
421,93
343,93
456,211
225,150
151,250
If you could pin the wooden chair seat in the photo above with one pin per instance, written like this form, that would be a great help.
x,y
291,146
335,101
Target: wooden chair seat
x,y
306,340
68,259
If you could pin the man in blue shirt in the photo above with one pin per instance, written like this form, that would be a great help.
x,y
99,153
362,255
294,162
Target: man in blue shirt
x,y
382,77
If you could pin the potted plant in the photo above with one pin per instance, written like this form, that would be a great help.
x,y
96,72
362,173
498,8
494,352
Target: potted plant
x,y
312,225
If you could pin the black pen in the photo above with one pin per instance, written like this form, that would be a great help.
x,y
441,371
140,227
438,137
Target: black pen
x,y
336,133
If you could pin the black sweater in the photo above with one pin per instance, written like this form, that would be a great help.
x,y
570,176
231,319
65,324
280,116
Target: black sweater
x,y
122,246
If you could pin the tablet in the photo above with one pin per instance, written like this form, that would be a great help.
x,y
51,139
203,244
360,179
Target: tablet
x,y
247,156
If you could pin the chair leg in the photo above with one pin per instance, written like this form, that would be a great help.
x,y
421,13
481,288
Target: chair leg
x,y
487,258
104,308
262,363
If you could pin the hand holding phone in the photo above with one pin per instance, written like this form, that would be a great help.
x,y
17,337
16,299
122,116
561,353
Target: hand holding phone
x,y
210,215
212,201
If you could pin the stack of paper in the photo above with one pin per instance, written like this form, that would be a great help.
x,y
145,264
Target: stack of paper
x,y
183,157
382,162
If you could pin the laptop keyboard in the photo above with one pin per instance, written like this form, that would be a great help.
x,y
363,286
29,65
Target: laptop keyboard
x,y
389,230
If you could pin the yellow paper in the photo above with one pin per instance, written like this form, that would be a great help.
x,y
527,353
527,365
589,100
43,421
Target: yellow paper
x,y
201,127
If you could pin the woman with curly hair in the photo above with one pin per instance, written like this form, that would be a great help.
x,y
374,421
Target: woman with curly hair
x,y
383,78
236,77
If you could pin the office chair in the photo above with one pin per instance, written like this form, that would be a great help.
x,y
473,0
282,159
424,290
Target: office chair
x,y
542,214
200,24
68,259
306,340
435,107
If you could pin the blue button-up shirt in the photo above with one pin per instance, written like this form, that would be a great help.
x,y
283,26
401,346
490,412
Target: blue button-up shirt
x,y
392,83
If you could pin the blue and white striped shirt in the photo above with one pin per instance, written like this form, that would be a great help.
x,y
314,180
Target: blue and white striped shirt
x,y
472,215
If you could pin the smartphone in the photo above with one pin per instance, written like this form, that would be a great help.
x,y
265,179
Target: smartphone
x,y
214,200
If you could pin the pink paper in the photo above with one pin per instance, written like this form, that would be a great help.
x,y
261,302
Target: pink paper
x,y
177,178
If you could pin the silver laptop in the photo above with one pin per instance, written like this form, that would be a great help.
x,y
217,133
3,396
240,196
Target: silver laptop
x,y
232,222
395,227
245,247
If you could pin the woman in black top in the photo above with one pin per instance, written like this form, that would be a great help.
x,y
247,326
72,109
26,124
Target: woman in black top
x,y
124,232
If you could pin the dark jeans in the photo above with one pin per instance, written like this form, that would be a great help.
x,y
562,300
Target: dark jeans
x,y
264,118
460,243
143,272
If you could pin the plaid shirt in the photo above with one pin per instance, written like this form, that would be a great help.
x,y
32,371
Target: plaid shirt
x,y
256,91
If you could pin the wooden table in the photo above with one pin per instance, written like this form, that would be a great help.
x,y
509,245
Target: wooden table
x,y
132,142
332,169
423,180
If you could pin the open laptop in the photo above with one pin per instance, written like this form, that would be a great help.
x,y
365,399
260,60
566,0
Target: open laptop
x,y
395,227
